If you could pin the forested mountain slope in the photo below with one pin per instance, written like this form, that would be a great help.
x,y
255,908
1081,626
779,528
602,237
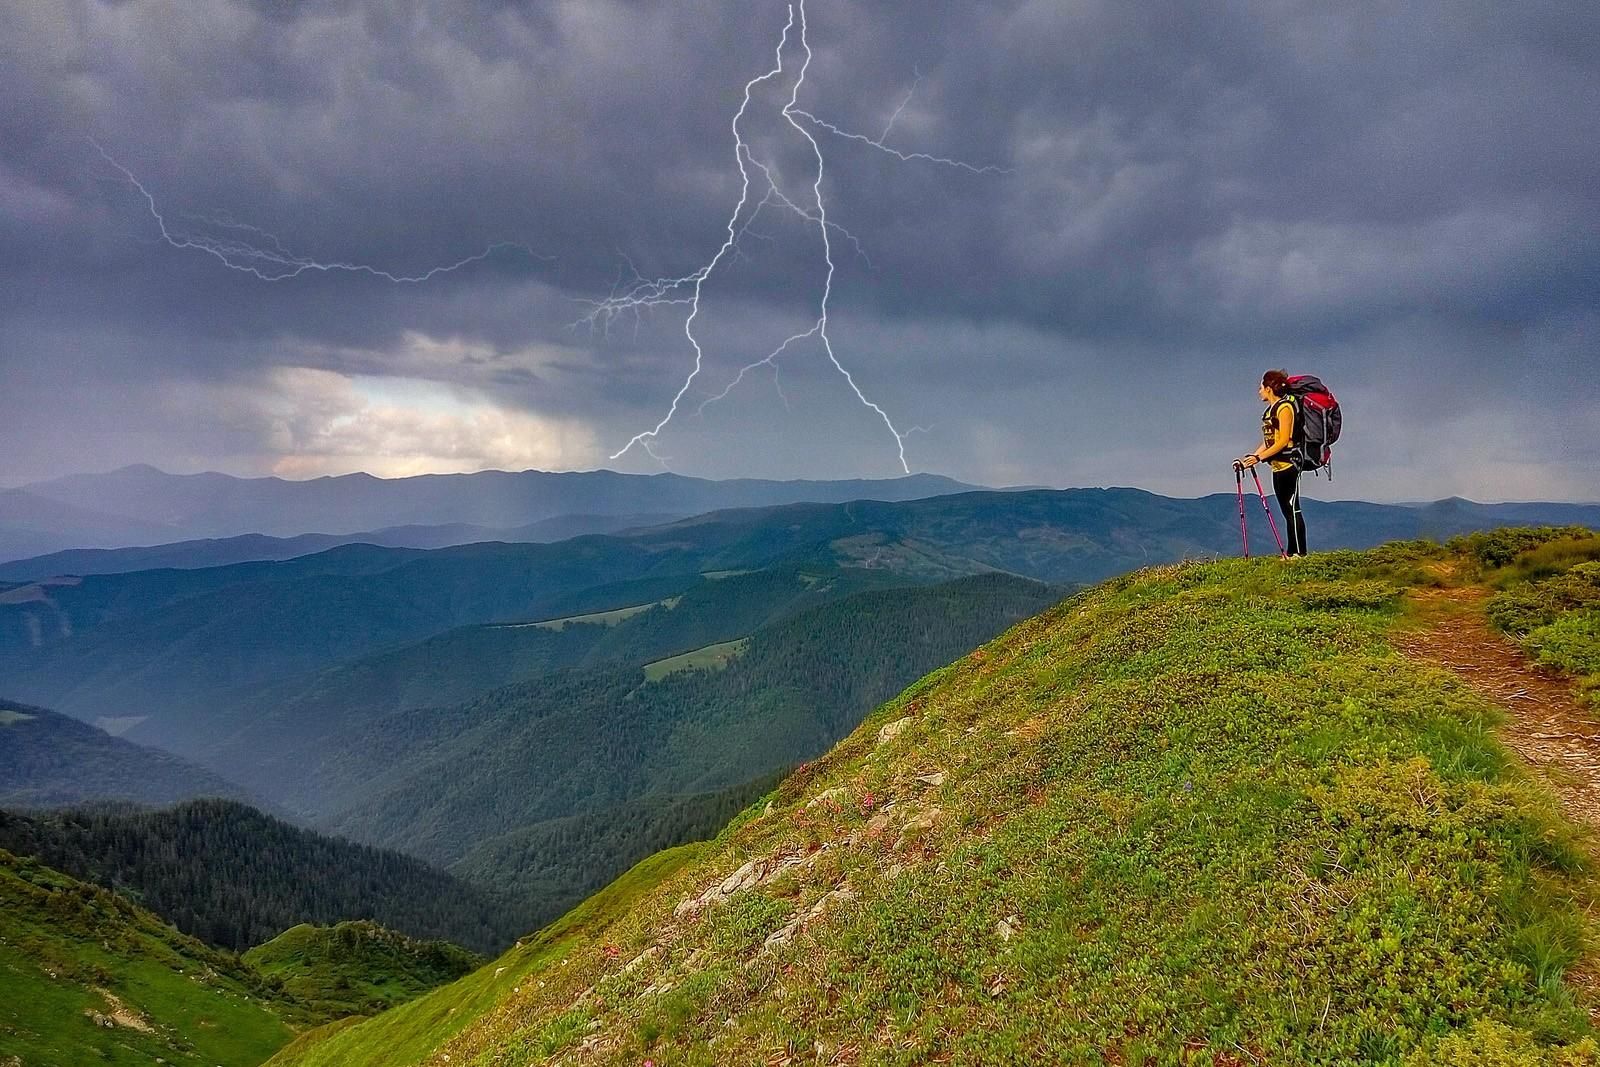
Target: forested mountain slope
x,y
48,760
439,782
554,864
234,877
269,734
1204,813
126,645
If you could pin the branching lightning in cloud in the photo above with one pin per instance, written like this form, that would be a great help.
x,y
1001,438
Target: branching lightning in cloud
x,y
907,157
789,111
687,290
272,262
249,249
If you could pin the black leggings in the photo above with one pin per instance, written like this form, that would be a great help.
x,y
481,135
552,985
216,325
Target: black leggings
x,y
1287,485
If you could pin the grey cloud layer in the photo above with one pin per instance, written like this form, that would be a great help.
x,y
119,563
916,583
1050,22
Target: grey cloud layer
x,y
1406,203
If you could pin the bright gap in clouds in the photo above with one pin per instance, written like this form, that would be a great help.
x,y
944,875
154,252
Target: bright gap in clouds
x,y
323,422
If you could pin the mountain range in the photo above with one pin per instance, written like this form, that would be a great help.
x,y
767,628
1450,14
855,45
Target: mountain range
x,y
126,646
466,703
245,548
140,505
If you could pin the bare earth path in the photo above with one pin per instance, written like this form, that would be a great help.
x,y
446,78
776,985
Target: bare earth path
x,y
1547,726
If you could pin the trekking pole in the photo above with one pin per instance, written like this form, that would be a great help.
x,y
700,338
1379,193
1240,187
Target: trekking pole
x,y
1272,522
1238,486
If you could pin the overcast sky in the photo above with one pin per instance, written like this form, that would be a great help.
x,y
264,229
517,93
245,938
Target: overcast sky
x,y
1158,202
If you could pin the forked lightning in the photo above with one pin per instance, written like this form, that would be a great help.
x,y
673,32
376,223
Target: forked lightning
x,y
269,260
687,289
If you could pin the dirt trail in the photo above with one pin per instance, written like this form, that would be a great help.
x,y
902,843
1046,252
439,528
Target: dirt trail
x,y
1547,726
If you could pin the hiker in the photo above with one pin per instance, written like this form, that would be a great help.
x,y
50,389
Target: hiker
x,y
1280,451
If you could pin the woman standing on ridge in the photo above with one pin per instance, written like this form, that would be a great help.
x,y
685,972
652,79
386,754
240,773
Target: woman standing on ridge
x,y
1278,448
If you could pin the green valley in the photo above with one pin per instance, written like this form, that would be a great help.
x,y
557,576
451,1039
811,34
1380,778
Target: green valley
x,y
575,747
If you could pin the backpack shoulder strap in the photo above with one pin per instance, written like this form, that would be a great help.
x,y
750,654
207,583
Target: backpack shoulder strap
x,y
1296,428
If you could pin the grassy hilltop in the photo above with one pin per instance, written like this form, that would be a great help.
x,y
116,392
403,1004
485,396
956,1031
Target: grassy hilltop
x,y
356,968
1206,813
88,978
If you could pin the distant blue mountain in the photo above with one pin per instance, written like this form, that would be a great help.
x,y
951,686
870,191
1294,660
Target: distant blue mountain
x,y
246,548
52,760
140,505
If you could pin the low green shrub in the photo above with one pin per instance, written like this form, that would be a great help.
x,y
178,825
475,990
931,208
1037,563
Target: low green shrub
x,y
1523,608
1496,548
1493,1044
1332,596
1572,644
1551,558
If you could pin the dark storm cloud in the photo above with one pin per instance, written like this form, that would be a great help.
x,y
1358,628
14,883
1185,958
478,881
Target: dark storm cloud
x,y
1407,202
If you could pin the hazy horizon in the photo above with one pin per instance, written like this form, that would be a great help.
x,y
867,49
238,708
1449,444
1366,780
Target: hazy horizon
x,y
1313,483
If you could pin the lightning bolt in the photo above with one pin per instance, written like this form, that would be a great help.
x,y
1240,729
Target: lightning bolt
x,y
687,290
894,118
907,157
658,292
273,262
789,111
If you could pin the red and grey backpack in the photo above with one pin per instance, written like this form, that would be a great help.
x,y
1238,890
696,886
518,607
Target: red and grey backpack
x,y
1317,423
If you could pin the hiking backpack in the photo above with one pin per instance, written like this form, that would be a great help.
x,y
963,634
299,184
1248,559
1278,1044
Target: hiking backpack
x,y
1317,423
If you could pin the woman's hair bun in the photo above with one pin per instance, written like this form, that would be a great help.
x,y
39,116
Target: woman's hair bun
x,y
1276,380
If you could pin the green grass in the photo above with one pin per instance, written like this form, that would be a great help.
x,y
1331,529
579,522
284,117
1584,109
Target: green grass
x,y
1521,549
65,945
408,1034
1202,814
357,968
711,658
